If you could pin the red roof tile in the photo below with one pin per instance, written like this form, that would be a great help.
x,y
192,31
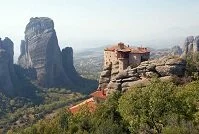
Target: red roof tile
x,y
127,49
99,94
89,103
139,50
117,48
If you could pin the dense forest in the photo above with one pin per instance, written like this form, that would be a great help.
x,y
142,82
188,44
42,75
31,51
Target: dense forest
x,y
161,107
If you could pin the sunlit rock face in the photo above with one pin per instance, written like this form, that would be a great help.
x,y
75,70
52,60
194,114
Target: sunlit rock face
x,y
41,51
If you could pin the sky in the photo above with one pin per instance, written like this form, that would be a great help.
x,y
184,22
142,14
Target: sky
x,y
92,23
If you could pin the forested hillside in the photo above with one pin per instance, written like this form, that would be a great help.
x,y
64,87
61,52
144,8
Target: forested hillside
x,y
161,107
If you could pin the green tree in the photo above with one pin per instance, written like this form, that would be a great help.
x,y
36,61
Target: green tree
x,y
146,108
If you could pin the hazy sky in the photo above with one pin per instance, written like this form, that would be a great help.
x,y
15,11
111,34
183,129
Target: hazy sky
x,y
86,23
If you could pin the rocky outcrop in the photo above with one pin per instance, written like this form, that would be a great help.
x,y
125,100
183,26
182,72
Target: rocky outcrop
x,y
7,74
68,65
191,45
41,51
43,60
105,77
163,68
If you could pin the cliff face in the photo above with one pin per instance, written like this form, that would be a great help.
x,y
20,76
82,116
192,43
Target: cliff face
x,y
7,74
41,51
191,45
42,57
67,60
164,68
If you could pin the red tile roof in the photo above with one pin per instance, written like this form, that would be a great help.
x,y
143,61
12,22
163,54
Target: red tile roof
x,y
99,94
117,48
139,50
127,49
89,103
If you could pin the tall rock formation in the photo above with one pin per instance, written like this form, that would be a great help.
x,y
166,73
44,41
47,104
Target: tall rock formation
x,y
191,45
7,74
68,65
41,51
43,60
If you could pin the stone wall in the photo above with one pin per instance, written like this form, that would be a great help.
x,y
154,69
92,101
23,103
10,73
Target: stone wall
x,y
134,59
110,57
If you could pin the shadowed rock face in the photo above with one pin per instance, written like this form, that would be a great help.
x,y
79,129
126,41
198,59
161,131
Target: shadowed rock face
x,y
67,60
7,74
41,51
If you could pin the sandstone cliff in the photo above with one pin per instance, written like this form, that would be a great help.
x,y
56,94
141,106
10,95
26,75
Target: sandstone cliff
x,y
7,74
164,68
44,61
41,51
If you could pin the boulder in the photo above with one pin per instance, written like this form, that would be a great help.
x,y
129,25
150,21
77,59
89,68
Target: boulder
x,y
102,86
121,75
114,85
151,67
130,79
138,83
105,73
175,61
166,70
104,80
151,74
